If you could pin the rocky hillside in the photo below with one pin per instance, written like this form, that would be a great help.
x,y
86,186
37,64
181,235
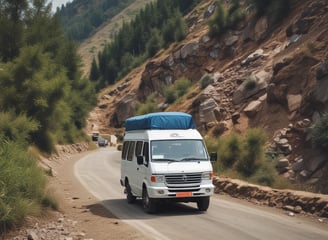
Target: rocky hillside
x,y
271,77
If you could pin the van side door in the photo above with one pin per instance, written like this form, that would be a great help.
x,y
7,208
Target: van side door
x,y
142,167
131,166
124,162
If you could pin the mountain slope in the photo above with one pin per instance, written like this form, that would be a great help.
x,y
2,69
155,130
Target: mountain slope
x,y
90,47
260,76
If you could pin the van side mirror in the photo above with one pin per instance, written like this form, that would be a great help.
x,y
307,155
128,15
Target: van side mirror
x,y
140,160
213,157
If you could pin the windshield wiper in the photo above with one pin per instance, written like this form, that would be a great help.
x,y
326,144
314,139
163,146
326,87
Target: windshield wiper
x,y
191,159
166,160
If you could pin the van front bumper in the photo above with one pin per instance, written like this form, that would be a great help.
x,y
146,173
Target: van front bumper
x,y
164,192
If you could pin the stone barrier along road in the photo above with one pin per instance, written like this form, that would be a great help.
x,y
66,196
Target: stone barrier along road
x,y
290,200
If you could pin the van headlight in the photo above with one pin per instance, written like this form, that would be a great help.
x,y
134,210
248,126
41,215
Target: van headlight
x,y
207,175
157,178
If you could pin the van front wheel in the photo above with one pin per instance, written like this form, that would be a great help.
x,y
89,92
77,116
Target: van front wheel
x,y
203,203
149,204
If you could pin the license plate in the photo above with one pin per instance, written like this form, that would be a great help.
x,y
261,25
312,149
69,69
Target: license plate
x,y
184,194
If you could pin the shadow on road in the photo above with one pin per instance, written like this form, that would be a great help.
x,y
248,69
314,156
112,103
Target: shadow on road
x,y
121,209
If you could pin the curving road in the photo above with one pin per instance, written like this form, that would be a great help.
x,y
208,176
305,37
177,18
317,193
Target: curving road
x,y
226,218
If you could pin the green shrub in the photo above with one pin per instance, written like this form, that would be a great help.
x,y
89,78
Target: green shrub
x,y
320,133
149,106
218,22
170,94
235,14
178,89
252,154
182,85
205,81
225,19
230,148
265,175
155,43
16,128
22,185
212,144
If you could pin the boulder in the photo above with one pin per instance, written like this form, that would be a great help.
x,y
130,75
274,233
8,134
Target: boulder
x,y
282,163
124,109
261,28
252,108
298,165
189,49
252,57
294,102
243,92
206,111
230,40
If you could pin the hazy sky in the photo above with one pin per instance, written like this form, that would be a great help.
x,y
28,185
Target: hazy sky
x,y
58,3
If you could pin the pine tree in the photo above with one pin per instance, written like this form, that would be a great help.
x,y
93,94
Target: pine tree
x,y
94,72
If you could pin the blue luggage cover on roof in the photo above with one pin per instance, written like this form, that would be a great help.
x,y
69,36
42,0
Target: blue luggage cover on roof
x,y
160,120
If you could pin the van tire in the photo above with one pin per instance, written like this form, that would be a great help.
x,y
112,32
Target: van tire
x,y
129,196
148,204
203,203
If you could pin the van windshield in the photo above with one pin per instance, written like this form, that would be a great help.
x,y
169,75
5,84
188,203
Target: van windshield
x,y
178,150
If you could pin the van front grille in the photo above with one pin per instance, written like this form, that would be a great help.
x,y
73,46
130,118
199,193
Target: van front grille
x,y
183,182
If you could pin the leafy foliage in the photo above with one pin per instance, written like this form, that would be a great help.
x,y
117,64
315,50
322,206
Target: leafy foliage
x,y
176,90
225,17
40,77
155,43
320,133
230,150
16,128
22,185
243,156
205,81
148,107
252,155
44,101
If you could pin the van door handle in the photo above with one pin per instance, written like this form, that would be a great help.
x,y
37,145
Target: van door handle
x,y
137,169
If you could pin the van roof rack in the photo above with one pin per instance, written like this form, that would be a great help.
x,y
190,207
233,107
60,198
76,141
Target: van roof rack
x,y
160,121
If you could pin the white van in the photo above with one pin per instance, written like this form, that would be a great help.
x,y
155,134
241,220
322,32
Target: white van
x,y
165,158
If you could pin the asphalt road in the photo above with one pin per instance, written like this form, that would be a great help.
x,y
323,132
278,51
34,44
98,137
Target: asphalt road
x,y
226,218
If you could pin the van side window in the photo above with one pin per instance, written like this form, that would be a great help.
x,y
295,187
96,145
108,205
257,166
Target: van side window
x,y
131,150
138,148
146,152
125,149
